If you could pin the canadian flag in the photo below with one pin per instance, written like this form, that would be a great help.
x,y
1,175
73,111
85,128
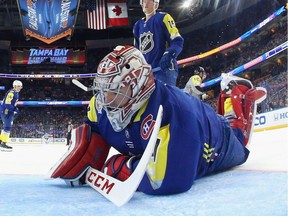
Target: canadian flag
x,y
117,13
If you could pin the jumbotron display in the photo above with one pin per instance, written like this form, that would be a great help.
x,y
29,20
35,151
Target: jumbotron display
x,y
48,55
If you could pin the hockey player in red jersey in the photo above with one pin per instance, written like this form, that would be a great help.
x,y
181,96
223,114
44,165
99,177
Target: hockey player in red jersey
x,y
193,140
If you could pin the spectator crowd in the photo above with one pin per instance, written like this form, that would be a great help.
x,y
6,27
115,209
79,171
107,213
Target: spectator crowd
x,y
34,122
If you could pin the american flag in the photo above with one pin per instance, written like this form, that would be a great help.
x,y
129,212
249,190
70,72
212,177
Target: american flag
x,y
96,14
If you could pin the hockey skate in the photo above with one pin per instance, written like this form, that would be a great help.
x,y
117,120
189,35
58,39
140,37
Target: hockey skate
x,y
238,103
5,148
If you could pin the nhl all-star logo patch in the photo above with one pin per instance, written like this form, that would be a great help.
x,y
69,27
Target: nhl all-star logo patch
x,y
146,42
147,126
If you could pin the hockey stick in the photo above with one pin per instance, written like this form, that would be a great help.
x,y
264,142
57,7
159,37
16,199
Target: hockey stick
x,y
80,85
156,69
115,190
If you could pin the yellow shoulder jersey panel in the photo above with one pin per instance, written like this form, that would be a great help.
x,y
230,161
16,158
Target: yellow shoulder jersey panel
x,y
9,98
196,80
157,167
141,111
171,26
91,112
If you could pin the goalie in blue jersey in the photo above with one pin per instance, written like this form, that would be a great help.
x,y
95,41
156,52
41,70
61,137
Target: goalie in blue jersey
x,y
193,140
159,40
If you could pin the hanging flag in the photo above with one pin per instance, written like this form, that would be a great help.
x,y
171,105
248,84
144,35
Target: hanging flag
x,y
96,14
117,13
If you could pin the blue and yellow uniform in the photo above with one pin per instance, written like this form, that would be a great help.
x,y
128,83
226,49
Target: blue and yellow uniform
x,y
193,140
154,36
7,112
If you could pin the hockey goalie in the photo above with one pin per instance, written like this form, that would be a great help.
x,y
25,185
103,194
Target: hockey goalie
x,y
193,140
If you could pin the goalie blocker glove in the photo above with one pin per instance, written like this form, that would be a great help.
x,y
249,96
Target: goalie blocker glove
x,y
119,166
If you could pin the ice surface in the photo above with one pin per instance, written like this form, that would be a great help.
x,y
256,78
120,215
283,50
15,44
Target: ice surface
x,y
259,187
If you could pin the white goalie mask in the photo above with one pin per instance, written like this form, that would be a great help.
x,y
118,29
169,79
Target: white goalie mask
x,y
124,82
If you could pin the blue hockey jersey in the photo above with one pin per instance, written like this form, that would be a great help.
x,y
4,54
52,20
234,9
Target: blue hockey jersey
x,y
9,102
154,36
193,140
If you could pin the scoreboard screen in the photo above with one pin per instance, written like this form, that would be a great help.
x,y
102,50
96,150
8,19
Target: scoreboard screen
x,y
48,55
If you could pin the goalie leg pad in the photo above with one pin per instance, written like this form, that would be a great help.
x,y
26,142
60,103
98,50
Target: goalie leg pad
x,y
237,95
231,104
252,98
87,149
94,156
243,102
232,86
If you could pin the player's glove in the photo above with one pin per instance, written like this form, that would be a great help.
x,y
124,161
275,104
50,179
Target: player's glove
x,y
166,61
6,112
204,97
119,166
16,110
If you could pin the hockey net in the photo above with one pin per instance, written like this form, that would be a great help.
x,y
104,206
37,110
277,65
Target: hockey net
x,y
47,139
